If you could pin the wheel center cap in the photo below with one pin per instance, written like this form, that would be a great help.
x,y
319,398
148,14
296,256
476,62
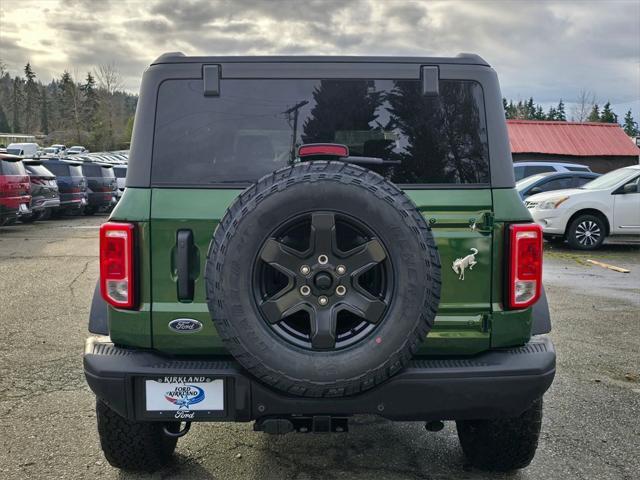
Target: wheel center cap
x,y
323,281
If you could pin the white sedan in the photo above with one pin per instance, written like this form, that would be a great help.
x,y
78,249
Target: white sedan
x,y
608,205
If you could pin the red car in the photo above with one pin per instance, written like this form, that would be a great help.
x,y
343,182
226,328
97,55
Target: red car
x,y
15,189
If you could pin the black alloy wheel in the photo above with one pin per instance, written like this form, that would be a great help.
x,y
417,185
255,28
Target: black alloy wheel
x,y
323,281
587,232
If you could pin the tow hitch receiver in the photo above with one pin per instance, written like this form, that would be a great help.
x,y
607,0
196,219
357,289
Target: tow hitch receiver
x,y
315,424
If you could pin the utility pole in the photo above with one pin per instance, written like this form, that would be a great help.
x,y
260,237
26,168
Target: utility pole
x,y
295,110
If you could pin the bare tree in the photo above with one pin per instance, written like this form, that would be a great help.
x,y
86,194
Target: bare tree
x,y
109,82
583,106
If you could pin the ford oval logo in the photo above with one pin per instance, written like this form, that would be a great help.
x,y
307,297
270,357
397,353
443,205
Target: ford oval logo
x,y
185,325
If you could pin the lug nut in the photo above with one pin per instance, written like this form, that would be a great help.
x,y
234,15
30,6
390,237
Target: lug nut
x,y
305,290
323,259
305,270
341,269
323,300
341,290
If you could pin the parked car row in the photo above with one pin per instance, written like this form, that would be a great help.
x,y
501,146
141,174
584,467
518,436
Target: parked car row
x,y
575,205
37,188
32,150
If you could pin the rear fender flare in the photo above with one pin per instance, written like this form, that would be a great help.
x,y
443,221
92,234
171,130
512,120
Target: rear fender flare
x,y
98,316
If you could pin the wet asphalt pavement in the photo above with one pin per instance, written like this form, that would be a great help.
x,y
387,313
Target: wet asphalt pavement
x,y
47,274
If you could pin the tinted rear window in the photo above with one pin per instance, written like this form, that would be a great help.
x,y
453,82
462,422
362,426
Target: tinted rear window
x,y
255,126
92,170
58,169
532,170
107,172
38,170
120,172
12,168
75,171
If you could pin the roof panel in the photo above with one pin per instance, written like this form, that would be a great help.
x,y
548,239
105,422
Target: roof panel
x,y
569,138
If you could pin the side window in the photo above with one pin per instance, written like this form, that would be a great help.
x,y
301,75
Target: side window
x,y
580,181
556,184
518,172
633,183
533,169
578,169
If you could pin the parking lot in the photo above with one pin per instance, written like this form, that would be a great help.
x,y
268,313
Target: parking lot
x,y
47,276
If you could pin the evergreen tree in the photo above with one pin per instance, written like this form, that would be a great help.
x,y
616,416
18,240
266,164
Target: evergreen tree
x,y
539,113
553,114
560,113
607,115
128,131
30,100
594,116
44,111
16,104
4,123
630,125
530,110
90,101
70,106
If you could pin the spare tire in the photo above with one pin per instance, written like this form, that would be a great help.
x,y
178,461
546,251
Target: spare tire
x,y
322,279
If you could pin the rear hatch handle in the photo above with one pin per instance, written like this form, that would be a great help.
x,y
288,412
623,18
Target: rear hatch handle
x,y
184,261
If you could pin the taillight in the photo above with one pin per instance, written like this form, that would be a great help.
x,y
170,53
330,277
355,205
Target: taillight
x,y
525,267
116,264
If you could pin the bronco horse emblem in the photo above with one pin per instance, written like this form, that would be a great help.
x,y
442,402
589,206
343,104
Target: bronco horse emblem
x,y
460,264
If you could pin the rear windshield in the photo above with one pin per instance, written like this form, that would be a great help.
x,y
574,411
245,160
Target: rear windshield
x,y
59,169
12,168
15,151
255,126
65,169
120,172
94,170
38,170
107,172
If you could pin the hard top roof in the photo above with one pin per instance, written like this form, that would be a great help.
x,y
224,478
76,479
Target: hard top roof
x,y
461,59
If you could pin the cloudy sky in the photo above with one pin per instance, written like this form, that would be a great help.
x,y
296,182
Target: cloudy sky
x,y
547,49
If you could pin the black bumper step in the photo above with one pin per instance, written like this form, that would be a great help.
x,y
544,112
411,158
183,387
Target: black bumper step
x,y
496,383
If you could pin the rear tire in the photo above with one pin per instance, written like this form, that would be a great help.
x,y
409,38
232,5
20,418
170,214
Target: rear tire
x,y
502,444
554,239
45,214
130,445
30,218
586,232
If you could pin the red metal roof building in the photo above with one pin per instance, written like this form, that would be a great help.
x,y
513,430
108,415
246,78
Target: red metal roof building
x,y
602,146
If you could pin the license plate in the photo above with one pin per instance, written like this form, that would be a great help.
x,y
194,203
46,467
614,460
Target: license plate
x,y
185,394
83,201
24,208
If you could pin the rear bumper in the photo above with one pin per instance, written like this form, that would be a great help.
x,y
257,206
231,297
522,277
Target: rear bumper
x,y
43,204
102,199
72,201
499,383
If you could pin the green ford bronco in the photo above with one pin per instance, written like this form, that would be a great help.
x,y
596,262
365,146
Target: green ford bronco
x,y
304,239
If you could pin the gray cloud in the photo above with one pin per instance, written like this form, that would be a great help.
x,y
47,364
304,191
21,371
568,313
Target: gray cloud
x,y
548,49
